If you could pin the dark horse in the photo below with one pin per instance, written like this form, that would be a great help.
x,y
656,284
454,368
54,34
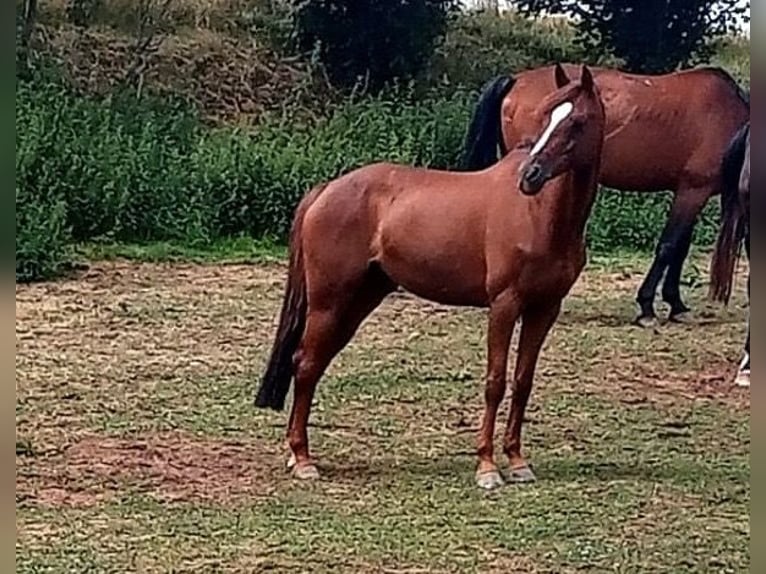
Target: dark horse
x,y
665,132
734,231
510,238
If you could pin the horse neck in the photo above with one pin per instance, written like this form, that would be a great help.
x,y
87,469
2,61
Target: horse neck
x,y
569,205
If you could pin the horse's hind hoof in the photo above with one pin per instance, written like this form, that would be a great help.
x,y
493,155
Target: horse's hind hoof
x,y
522,474
489,480
647,322
683,318
290,464
305,471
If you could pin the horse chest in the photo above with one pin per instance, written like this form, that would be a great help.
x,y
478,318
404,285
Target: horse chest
x,y
538,275
552,276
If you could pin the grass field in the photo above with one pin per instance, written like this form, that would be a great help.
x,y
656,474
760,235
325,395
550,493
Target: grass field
x,y
138,448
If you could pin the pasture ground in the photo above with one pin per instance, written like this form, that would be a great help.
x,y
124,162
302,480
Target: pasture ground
x,y
138,448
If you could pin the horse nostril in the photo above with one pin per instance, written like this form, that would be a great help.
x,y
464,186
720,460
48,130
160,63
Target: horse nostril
x,y
533,172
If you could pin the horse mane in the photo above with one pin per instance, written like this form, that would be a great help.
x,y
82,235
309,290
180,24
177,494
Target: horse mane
x,y
743,94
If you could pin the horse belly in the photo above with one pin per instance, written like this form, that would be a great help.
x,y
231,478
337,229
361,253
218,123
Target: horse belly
x,y
435,261
629,165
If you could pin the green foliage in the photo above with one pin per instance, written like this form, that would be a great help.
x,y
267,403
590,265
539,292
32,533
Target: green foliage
x,y
369,40
122,170
670,32
732,53
128,170
42,239
481,45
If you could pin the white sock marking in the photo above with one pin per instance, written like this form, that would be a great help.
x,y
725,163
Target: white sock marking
x,y
744,365
558,115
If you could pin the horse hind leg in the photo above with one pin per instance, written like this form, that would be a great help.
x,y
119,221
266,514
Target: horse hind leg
x,y
327,332
687,204
671,286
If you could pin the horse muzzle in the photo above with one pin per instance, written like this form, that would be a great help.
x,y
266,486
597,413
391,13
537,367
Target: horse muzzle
x,y
533,178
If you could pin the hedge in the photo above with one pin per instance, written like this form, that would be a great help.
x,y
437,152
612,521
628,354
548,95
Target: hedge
x,y
138,170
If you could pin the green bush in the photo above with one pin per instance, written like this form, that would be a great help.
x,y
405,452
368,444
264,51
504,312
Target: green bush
x,y
481,45
139,170
253,181
133,171
42,238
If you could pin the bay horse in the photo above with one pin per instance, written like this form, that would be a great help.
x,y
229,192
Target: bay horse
x,y
509,238
734,231
663,132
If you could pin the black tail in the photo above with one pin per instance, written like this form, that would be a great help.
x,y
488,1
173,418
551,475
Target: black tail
x,y
731,165
292,319
485,132
733,219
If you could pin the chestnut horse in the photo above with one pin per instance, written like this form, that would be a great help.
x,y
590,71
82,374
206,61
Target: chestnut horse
x,y
510,238
734,231
665,132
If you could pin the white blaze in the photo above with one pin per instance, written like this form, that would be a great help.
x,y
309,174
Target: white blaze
x,y
558,115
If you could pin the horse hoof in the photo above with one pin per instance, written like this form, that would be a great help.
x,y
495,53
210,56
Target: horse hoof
x,y
489,480
291,461
647,322
305,471
522,474
742,379
683,318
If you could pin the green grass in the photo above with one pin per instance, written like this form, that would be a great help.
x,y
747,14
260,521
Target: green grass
x,y
138,448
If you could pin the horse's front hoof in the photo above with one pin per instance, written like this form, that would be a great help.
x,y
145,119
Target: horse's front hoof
x,y
522,474
489,480
742,379
647,322
305,471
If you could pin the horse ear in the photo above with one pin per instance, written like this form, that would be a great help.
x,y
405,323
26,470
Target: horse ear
x,y
586,79
561,76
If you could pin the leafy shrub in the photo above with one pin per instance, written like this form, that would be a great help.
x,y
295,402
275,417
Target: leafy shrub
x,y
42,239
135,170
481,45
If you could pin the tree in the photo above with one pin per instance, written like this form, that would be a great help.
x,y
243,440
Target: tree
x,y
651,36
371,40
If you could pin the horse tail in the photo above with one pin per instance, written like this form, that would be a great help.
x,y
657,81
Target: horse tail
x,y
733,219
485,132
292,318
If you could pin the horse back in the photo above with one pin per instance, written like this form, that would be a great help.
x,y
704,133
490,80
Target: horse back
x,y
661,131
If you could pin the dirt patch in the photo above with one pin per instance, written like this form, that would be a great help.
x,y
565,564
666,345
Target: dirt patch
x,y
171,467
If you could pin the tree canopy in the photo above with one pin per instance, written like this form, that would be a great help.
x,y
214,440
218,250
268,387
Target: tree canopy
x,y
371,40
651,36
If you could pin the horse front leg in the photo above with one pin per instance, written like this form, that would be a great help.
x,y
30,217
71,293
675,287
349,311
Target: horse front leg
x,y
536,323
503,314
